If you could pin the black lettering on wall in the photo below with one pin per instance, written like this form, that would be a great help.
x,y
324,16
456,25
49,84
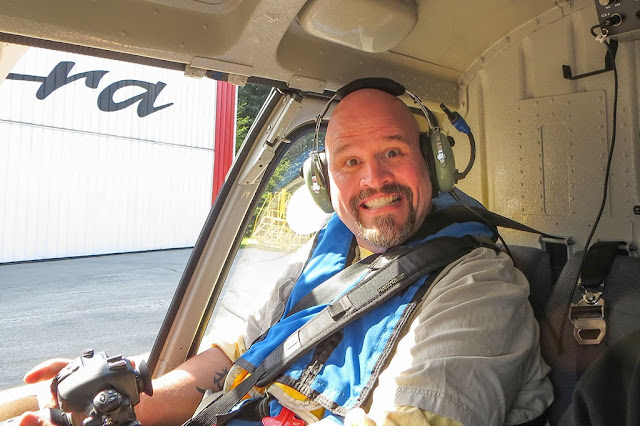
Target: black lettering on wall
x,y
59,77
145,107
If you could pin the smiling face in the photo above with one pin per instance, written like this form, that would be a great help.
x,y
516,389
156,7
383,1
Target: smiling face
x,y
379,181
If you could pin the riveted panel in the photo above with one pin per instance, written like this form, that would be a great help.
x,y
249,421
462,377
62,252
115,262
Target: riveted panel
x,y
562,147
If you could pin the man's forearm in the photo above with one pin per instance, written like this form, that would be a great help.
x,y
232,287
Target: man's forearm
x,y
177,394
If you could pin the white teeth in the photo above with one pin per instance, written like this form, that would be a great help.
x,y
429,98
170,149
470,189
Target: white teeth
x,y
380,202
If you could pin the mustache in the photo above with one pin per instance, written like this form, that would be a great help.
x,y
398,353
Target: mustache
x,y
389,188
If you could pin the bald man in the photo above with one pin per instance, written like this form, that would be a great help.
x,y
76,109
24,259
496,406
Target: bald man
x,y
467,354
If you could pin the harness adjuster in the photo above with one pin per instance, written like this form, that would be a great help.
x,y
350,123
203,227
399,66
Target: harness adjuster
x,y
587,316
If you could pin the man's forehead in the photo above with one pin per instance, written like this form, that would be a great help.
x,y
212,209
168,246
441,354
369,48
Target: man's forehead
x,y
349,130
369,107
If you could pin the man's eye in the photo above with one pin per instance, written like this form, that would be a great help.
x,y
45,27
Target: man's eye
x,y
392,153
351,162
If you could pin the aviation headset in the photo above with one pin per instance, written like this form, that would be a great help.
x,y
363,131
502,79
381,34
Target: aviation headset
x,y
435,146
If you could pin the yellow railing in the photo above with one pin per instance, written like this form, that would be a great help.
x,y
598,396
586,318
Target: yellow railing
x,y
271,228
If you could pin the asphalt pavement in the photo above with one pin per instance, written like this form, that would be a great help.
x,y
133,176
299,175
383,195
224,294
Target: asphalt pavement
x,y
113,303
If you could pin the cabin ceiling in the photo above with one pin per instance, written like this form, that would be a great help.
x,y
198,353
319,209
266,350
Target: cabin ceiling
x,y
264,38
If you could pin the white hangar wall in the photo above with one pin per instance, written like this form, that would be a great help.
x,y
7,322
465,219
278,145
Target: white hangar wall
x,y
117,159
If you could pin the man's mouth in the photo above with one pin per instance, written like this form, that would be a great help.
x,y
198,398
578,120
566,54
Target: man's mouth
x,y
387,196
380,202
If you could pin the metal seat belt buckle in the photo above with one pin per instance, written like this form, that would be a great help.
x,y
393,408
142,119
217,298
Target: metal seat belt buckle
x,y
587,316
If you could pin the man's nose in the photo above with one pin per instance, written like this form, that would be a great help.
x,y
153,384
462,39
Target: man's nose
x,y
375,174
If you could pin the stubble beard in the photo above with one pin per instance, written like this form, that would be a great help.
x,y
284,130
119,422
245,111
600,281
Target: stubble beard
x,y
384,231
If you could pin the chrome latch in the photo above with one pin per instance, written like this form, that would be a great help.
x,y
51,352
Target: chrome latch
x,y
587,316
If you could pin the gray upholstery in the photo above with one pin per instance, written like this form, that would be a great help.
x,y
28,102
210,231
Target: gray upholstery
x,y
536,266
622,314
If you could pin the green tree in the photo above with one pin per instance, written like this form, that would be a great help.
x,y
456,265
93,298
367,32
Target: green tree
x,y
250,100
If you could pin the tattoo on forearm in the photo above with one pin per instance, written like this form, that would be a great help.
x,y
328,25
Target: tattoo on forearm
x,y
219,377
218,381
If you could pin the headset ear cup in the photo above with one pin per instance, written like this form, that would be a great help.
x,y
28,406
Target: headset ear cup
x,y
324,168
316,178
440,160
427,153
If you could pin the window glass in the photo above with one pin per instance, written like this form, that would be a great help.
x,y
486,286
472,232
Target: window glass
x,y
106,172
285,220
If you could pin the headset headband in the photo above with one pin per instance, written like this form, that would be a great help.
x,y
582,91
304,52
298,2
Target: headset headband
x,y
385,84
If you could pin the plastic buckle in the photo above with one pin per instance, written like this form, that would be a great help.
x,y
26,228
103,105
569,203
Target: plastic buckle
x,y
285,418
587,316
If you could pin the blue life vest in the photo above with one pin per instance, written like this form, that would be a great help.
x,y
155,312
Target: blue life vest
x,y
340,373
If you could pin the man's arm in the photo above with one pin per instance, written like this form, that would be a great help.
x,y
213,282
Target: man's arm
x,y
176,395
471,351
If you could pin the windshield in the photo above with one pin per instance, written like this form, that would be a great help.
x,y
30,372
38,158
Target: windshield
x,y
284,222
106,174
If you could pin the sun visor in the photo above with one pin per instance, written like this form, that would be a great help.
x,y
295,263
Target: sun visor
x,y
368,25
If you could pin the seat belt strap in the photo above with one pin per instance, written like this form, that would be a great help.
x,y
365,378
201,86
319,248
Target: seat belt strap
x,y
587,309
219,407
505,222
598,263
397,269
330,289
439,220
460,214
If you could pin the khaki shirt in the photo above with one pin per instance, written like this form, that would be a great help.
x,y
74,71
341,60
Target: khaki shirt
x,y
470,354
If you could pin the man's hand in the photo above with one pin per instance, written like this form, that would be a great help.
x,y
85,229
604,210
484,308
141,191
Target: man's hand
x,y
176,394
46,370
41,372
32,419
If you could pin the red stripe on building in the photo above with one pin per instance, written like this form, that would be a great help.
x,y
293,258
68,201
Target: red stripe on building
x,y
225,133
